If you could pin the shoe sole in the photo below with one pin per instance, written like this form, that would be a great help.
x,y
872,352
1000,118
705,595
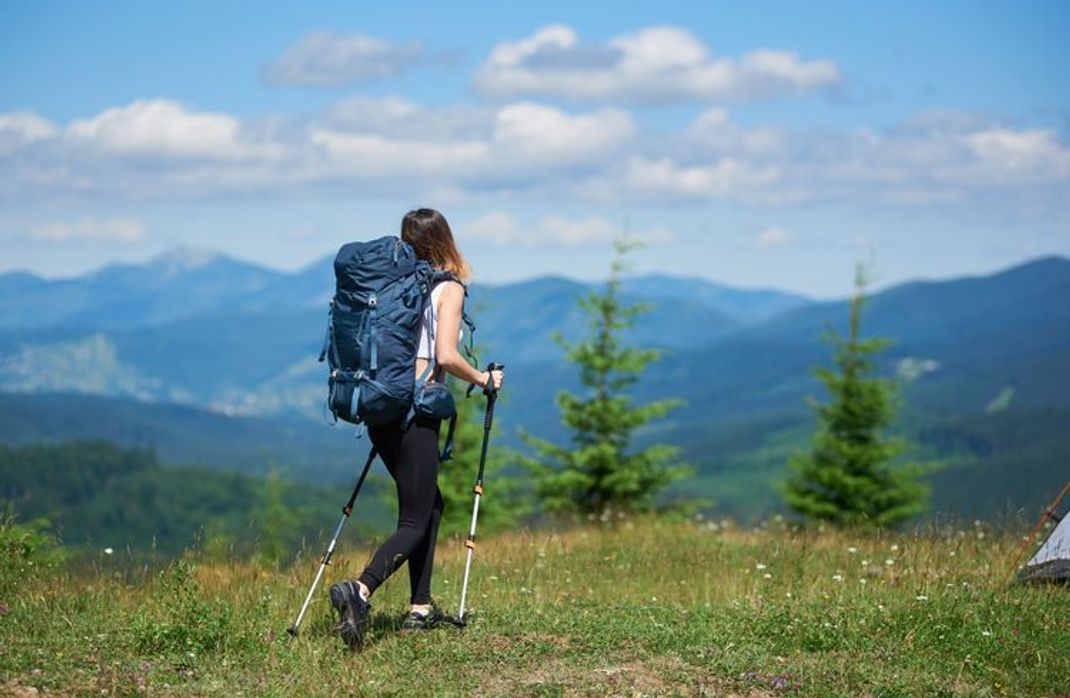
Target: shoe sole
x,y
353,615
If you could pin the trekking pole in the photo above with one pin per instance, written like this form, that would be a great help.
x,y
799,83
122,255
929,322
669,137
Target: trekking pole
x,y
492,395
346,511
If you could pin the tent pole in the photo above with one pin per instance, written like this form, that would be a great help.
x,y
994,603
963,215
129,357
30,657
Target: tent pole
x,y
1048,513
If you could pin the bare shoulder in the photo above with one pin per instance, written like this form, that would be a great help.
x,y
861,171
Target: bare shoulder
x,y
452,295
453,290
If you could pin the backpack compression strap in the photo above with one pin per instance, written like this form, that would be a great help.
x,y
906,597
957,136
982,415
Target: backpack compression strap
x,y
373,304
329,349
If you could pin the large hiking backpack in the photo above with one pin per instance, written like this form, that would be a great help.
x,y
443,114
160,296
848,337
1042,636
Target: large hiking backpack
x,y
373,328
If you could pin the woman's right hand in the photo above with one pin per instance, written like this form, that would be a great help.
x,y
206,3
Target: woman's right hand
x,y
497,376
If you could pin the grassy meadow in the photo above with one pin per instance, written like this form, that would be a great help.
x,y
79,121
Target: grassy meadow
x,y
641,608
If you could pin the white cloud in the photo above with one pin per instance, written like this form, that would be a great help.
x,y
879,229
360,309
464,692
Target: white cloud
x,y
370,155
538,134
500,228
21,128
713,131
92,229
326,59
773,236
929,159
1002,154
401,118
497,228
654,64
583,231
160,150
161,127
514,140
664,179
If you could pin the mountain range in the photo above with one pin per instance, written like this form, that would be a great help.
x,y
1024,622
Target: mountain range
x,y
222,336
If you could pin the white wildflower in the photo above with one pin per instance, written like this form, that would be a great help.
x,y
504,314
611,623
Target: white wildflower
x,y
108,551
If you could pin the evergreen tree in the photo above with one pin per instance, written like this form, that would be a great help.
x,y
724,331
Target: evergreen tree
x,y
600,473
847,478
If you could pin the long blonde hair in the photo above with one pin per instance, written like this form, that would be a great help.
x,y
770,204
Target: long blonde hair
x,y
431,238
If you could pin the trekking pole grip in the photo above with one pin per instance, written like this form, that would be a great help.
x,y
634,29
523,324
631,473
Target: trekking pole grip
x,y
489,390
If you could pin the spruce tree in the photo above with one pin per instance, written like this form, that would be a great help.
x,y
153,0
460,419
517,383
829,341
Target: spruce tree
x,y
847,478
600,473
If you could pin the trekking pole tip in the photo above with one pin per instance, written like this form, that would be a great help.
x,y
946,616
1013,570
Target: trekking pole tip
x,y
459,622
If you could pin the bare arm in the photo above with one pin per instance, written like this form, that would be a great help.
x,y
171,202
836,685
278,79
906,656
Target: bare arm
x,y
449,308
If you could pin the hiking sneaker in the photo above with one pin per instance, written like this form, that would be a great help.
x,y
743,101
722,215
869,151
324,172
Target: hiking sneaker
x,y
352,610
422,621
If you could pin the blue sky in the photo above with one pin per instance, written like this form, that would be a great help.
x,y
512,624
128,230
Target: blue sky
x,y
766,144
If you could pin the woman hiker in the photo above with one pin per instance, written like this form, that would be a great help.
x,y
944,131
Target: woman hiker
x,y
411,454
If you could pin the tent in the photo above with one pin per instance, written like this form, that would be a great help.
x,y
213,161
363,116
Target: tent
x,y
1051,562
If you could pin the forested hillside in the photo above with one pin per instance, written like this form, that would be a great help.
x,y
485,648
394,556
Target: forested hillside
x,y
229,381
95,493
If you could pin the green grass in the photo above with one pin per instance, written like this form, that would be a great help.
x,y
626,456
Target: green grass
x,y
645,608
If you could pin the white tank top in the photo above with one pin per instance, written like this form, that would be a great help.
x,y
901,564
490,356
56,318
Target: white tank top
x,y
426,348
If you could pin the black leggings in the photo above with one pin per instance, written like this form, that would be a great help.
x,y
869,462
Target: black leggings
x,y
411,456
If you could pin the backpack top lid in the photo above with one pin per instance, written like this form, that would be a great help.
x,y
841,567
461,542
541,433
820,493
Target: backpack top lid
x,y
361,268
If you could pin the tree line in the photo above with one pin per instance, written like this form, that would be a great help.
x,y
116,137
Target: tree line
x,y
851,476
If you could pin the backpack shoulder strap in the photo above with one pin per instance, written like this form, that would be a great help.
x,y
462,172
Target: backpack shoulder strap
x,y
437,277
440,275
